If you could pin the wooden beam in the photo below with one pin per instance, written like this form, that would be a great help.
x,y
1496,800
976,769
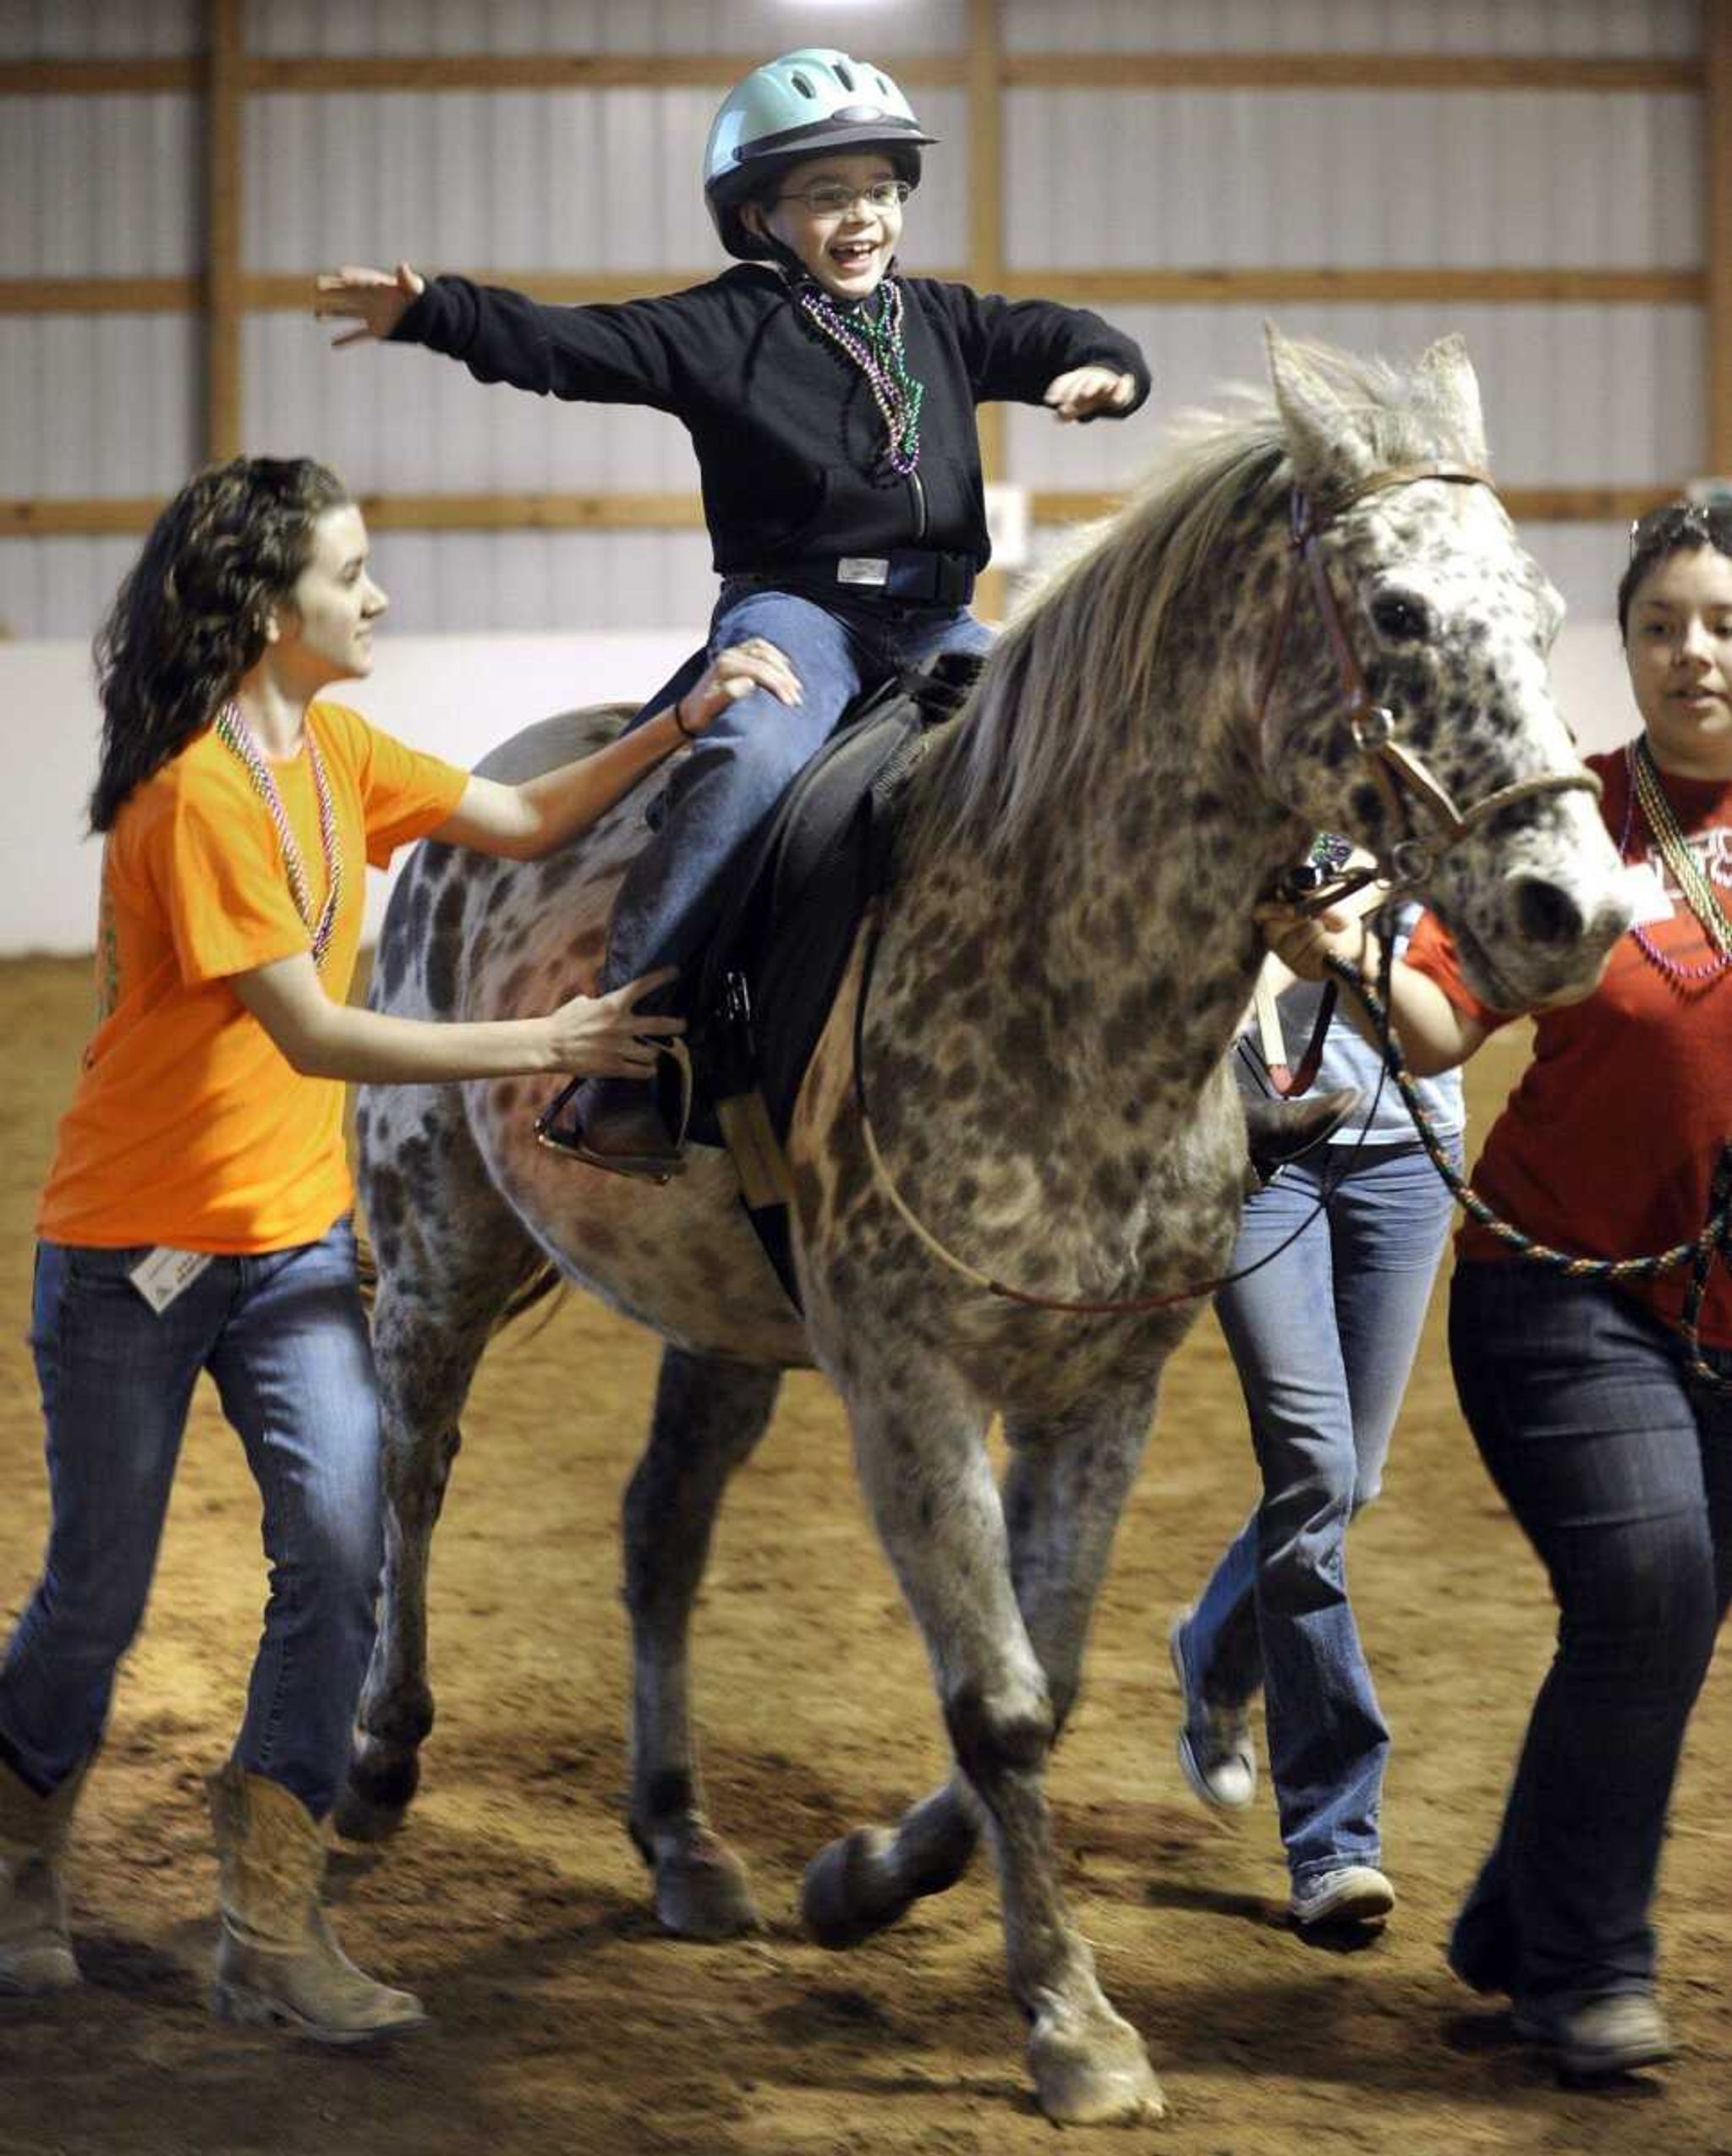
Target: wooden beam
x,y
1449,71
1540,505
98,295
66,515
1717,223
1205,287
533,512
554,70
97,78
986,222
225,98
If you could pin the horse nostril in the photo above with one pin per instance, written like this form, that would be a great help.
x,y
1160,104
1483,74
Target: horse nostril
x,y
1544,915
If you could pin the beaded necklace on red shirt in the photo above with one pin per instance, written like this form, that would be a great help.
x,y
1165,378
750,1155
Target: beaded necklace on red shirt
x,y
233,732
874,344
1698,892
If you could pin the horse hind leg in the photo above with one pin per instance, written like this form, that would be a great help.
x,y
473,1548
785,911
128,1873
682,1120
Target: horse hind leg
x,y
709,1416
924,1462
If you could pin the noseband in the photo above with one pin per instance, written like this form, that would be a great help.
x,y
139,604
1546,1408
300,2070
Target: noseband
x,y
1422,810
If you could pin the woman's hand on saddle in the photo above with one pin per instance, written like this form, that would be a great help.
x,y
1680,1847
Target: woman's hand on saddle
x,y
1305,942
1085,391
376,299
731,675
608,1036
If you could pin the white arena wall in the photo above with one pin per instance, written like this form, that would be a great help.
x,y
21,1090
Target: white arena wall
x,y
455,695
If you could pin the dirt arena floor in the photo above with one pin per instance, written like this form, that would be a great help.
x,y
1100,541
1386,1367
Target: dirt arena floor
x,y
567,2025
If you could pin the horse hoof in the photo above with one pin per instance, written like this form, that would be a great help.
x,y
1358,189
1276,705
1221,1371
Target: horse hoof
x,y
1094,2075
703,1894
357,1817
838,1906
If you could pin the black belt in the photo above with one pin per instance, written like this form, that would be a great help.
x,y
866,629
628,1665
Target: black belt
x,y
906,575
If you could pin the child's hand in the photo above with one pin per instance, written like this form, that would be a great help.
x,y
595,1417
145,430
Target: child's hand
x,y
377,299
1085,391
733,674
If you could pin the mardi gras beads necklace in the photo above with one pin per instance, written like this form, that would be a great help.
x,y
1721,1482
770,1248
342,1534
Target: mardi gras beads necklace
x,y
1699,894
235,734
874,344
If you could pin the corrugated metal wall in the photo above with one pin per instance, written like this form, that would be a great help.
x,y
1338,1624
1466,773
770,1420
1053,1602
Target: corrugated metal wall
x,y
607,180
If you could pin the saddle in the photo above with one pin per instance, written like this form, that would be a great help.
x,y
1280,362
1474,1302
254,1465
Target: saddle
x,y
788,913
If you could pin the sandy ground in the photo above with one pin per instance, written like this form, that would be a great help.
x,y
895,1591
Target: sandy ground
x,y
513,1902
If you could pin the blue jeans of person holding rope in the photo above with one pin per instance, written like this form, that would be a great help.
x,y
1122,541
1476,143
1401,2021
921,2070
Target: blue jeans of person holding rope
x,y
1617,1465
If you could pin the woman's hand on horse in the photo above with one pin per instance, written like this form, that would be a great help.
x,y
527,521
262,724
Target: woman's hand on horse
x,y
608,1036
377,299
733,674
1304,942
1086,391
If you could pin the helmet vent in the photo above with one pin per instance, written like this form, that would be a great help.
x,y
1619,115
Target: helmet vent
x,y
842,76
803,85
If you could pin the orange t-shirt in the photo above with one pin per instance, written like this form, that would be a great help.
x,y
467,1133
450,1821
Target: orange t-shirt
x,y
188,1126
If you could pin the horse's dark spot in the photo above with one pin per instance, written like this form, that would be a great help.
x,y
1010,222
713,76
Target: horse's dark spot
x,y
670,1796
963,1081
435,859
445,948
990,1743
506,1095
387,1205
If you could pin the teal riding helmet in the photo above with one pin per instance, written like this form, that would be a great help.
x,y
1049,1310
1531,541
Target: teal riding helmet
x,y
796,107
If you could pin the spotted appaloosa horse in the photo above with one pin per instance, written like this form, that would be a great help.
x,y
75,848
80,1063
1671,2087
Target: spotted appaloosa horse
x,y
1064,959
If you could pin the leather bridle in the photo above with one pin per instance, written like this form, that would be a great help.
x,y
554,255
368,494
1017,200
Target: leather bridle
x,y
1422,811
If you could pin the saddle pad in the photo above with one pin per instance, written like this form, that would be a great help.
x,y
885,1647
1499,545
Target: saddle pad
x,y
789,917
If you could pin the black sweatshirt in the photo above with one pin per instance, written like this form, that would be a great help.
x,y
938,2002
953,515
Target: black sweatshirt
x,y
790,442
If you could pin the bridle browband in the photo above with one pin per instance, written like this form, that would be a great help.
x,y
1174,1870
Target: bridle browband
x,y
1409,791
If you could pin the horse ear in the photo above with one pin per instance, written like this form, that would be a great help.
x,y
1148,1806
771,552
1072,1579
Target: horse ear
x,y
1446,385
1323,441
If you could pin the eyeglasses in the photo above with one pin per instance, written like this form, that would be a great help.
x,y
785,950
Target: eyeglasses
x,y
1707,523
831,198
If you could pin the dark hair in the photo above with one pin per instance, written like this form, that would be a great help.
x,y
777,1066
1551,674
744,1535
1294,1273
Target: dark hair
x,y
190,618
1675,527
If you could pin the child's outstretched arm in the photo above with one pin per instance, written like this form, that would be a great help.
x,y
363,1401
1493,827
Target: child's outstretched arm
x,y
376,299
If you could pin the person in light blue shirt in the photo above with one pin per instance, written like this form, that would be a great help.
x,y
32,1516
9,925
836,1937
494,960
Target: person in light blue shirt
x,y
1323,1335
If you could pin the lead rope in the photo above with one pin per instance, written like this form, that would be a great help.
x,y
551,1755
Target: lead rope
x,y
1713,1238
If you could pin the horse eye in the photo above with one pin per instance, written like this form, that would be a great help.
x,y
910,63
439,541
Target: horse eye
x,y
1401,619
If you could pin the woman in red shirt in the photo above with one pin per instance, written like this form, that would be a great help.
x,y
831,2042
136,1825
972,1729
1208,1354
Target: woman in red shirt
x,y
1615,1461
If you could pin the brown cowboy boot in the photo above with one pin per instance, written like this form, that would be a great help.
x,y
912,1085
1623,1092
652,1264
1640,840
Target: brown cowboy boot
x,y
36,1948
276,1963
1278,1132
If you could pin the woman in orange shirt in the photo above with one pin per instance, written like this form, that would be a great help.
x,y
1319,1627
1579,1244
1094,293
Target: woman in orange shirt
x,y
196,1215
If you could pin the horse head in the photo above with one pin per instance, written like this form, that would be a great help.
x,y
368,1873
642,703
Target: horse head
x,y
1405,698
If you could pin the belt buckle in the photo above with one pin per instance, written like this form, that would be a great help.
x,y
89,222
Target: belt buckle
x,y
871,570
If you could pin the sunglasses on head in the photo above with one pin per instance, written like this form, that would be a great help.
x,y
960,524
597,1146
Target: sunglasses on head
x,y
1705,524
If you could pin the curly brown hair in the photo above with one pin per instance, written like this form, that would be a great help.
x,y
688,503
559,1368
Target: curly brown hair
x,y
190,620
1675,527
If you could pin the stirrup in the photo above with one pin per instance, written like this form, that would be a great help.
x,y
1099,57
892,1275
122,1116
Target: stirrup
x,y
656,1168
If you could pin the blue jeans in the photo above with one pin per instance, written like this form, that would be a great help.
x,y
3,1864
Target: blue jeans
x,y
1323,1338
285,1338
734,774
1619,1470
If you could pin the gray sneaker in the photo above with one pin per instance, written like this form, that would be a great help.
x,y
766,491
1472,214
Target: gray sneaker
x,y
1353,1895
1214,1741
1611,2035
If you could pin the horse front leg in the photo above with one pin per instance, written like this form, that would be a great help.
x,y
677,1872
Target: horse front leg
x,y
923,1462
709,1416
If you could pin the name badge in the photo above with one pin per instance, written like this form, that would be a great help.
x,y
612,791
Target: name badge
x,y
863,569
166,1273
1646,894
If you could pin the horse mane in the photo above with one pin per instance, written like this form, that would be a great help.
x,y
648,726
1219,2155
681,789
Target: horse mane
x,y
1081,651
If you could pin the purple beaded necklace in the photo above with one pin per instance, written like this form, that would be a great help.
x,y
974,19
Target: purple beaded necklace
x,y
879,355
232,730
1699,894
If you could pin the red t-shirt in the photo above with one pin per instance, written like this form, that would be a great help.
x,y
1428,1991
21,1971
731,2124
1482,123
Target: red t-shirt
x,y
1607,1145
